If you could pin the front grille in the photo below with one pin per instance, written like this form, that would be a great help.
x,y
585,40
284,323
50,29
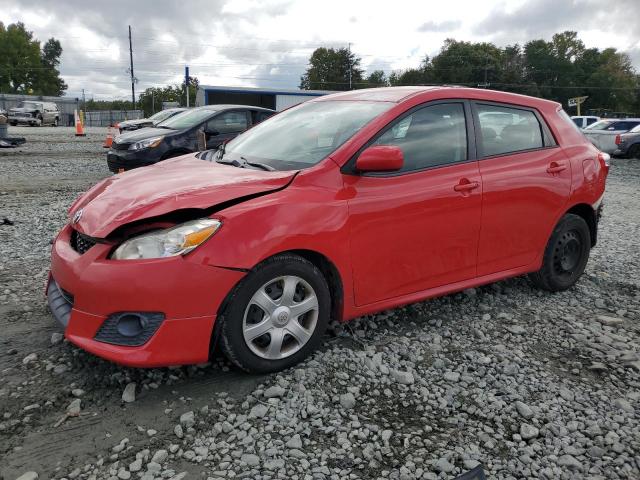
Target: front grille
x,y
81,242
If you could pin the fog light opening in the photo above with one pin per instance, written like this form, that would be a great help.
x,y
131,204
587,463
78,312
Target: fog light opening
x,y
131,325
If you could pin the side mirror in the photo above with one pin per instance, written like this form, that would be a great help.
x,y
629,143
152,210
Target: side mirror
x,y
380,158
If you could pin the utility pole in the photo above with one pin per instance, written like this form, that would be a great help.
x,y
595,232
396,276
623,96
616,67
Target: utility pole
x,y
186,82
84,104
350,66
133,79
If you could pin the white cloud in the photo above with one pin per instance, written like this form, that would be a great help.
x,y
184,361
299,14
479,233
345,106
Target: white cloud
x,y
268,42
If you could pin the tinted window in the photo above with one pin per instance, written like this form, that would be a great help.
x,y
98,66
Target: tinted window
x,y
622,125
577,121
504,130
431,136
261,116
591,120
228,122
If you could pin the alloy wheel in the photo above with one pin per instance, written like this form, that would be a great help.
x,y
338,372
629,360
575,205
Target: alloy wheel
x,y
280,317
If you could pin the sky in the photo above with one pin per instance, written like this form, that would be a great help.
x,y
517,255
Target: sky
x,y
267,43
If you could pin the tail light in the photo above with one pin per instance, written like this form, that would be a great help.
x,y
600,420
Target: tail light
x,y
618,140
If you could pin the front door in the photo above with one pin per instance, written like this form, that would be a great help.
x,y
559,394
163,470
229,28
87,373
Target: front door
x,y
225,126
526,181
417,228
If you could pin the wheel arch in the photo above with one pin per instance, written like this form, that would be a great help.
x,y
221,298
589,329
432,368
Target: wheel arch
x,y
319,260
588,214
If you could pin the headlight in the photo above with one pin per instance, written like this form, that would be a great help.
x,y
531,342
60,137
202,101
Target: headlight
x,y
171,242
148,143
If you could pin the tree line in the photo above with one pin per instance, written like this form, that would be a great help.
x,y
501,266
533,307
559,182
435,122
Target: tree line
x,y
26,67
558,69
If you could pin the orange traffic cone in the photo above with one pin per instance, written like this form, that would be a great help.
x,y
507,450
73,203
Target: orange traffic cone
x,y
79,127
109,140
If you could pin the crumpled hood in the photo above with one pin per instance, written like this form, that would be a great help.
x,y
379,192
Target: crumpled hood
x,y
140,121
180,183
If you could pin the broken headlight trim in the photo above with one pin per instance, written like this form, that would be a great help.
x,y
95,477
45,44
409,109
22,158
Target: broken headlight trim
x,y
170,242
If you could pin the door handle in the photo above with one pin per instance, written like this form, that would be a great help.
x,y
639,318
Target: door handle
x,y
466,186
555,167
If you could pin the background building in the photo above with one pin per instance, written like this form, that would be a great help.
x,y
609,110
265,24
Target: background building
x,y
276,99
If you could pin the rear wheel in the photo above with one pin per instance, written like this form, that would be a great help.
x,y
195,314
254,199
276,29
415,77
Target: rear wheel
x,y
634,152
565,256
276,316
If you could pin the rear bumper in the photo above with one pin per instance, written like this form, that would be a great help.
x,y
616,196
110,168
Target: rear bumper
x,y
85,290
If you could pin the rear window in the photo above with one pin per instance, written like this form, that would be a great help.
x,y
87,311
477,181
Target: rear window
x,y
507,130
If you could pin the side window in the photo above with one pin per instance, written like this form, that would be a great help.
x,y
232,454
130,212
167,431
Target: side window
x,y
431,136
257,117
228,122
591,120
261,116
507,130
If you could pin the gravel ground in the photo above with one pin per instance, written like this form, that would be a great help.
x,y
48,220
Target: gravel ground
x,y
530,384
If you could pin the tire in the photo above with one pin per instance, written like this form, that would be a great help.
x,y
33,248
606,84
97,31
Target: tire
x,y
41,124
565,256
13,124
634,152
55,122
281,339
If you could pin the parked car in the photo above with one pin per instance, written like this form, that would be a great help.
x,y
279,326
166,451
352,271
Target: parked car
x,y
153,120
629,143
178,135
583,121
35,114
603,133
342,206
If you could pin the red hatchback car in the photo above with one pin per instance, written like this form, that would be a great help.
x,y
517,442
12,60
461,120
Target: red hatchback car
x,y
345,205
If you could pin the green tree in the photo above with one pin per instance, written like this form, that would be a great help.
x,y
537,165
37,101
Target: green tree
x,y
26,68
377,78
150,101
329,70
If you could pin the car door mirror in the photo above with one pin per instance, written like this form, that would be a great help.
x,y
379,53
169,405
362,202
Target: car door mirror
x,y
380,158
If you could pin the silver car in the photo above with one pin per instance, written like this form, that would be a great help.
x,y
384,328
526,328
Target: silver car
x,y
603,133
35,113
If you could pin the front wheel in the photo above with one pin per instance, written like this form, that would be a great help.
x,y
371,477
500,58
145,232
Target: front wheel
x,y
565,256
55,122
277,315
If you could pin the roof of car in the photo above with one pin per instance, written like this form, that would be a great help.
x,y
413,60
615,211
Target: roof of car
x,y
399,94
225,106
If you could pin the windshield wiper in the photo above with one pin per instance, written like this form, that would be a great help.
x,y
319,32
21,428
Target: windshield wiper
x,y
263,166
163,126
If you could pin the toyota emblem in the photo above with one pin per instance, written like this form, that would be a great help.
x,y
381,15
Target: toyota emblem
x,y
77,216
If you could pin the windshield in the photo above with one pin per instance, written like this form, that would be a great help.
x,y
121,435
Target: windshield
x,y
304,135
601,125
30,105
162,115
187,119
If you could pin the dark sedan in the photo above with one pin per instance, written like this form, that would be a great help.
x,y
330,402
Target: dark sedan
x,y
197,129
155,119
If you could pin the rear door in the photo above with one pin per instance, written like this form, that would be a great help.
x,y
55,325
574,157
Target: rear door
x,y
526,180
417,228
